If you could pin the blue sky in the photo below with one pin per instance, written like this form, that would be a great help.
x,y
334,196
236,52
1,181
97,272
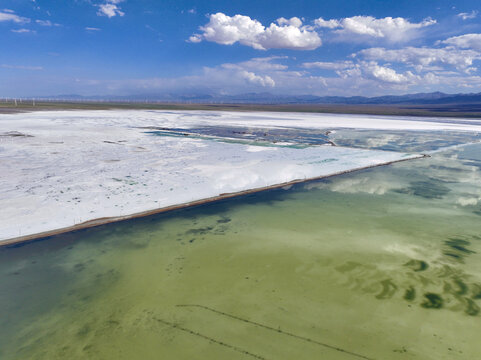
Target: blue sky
x,y
137,47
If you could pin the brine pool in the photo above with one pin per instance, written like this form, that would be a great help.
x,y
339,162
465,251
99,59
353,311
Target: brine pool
x,y
379,264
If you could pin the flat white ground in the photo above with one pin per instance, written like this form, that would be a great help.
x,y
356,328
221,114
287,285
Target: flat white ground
x,y
77,166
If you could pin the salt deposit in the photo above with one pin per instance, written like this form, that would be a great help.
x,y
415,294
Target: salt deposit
x,y
59,169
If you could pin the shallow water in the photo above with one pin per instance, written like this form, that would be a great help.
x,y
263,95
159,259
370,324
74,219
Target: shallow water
x,y
379,264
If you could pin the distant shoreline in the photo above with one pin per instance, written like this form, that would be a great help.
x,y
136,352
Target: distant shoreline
x,y
471,111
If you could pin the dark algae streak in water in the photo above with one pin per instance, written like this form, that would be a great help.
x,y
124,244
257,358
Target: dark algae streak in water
x,y
278,330
208,338
417,265
389,288
432,301
410,294
457,248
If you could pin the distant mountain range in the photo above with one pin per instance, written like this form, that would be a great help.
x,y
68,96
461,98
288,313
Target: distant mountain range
x,y
268,98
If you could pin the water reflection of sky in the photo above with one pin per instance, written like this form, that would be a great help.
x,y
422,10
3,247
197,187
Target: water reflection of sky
x,y
392,140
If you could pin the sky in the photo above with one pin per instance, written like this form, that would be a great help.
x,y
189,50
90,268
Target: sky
x,y
189,48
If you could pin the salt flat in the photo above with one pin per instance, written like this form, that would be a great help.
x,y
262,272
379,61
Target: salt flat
x,y
59,169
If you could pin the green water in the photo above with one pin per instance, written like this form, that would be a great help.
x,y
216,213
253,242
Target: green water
x,y
379,264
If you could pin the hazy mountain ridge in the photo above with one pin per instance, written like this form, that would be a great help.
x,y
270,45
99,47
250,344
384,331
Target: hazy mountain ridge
x,y
268,98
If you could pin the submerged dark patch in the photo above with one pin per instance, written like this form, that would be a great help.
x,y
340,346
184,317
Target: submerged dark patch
x,y
410,294
388,289
459,245
453,255
457,248
456,287
224,220
476,291
471,308
199,231
79,267
432,301
417,265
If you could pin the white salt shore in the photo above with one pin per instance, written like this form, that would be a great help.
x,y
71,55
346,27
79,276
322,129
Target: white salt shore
x,y
77,166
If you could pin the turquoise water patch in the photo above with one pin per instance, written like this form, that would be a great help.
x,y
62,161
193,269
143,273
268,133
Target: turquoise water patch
x,y
406,141
278,137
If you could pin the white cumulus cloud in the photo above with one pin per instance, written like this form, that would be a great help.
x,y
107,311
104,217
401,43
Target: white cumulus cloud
x,y
466,41
330,24
392,29
22,31
110,9
8,15
340,65
259,64
294,21
286,34
468,16
423,58
46,23
249,70
386,74
257,79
